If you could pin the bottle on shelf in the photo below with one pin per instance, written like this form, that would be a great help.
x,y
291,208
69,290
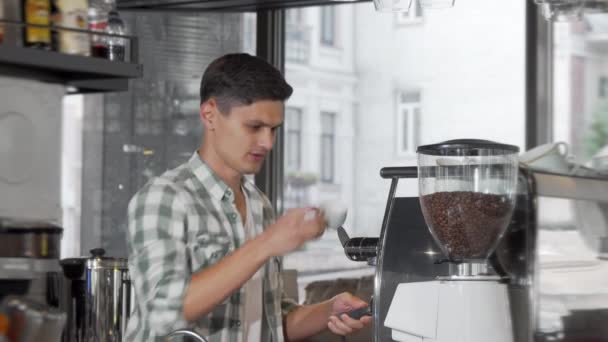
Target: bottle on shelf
x,y
72,14
98,13
37,12
116,45
1,17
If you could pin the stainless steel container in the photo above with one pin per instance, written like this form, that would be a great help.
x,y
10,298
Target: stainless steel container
x,y
97,298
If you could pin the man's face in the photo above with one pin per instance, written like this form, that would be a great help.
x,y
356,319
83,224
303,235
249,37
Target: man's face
x,y
244,137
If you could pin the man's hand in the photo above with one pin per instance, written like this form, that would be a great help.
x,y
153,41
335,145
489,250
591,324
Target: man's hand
x,y
294,228
339,322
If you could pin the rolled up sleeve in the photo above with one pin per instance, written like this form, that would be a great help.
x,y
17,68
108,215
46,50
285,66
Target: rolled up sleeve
x,y
158,256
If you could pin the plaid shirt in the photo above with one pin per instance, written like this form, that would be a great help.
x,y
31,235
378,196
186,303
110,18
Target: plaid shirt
x,y
180,223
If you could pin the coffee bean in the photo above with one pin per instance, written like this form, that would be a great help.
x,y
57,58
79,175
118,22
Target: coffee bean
x,y
468,224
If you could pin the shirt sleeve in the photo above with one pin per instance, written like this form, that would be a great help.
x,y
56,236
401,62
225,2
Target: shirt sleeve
x,y
158,260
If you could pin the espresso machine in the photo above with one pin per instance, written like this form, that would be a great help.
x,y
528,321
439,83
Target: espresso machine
x,y
489,251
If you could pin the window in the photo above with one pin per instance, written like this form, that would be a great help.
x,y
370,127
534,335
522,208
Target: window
x,y
293,125
297,37
350,129
603,87
295,16
408,122
328,25
580,87
579,118
328,122
414,15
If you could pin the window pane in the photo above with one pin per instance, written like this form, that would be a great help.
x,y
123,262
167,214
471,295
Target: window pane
x,y
471,80
580,107
580,118
327,146
404,126
328,25
293,124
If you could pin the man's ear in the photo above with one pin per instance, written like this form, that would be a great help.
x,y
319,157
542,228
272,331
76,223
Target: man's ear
x,y
208,113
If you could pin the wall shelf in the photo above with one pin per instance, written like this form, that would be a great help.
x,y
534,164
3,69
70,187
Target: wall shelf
x,y
80,74
222,5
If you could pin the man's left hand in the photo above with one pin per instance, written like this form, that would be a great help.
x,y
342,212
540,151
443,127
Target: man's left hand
x,y
339,321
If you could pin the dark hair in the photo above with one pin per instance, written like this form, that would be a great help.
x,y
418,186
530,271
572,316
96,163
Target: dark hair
x,y
241,79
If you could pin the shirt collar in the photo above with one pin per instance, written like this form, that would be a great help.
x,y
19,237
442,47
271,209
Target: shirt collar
x,y
212,182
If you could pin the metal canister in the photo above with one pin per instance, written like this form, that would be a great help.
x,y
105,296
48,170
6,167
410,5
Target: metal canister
x,y
97,297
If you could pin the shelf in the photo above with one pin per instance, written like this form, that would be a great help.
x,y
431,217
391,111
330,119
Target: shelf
x,y
82,74
223,5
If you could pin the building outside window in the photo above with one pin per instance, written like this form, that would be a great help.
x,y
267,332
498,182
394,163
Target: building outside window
x,y
328,132
328,25
408,122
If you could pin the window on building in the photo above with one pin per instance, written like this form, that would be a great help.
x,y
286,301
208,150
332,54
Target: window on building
x,y
328,25
603,87
293,136
414,15
328,123
408,122
295,16
297,37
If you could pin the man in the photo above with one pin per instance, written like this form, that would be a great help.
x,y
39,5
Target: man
x,y
204,248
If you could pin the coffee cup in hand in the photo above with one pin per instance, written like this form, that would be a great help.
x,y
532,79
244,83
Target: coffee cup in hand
x,y
334,213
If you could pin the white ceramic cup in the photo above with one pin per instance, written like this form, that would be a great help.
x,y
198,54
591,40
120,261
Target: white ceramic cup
x,y
551,157
334,213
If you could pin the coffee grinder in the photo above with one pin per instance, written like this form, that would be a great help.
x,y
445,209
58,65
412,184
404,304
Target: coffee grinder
x,y
467,195
434,281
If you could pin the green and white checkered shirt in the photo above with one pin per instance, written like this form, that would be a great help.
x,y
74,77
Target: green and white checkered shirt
x,y
180,223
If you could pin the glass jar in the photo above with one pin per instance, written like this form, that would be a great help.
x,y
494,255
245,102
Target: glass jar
x,y
467,194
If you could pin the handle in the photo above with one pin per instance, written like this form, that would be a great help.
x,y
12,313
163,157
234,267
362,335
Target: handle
x,y
399,172
358,313
186,332
359,248
361,312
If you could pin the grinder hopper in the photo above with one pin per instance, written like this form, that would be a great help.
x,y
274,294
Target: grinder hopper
x,y
467,195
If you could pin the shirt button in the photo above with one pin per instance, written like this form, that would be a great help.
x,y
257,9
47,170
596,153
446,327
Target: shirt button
x,y
238,323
